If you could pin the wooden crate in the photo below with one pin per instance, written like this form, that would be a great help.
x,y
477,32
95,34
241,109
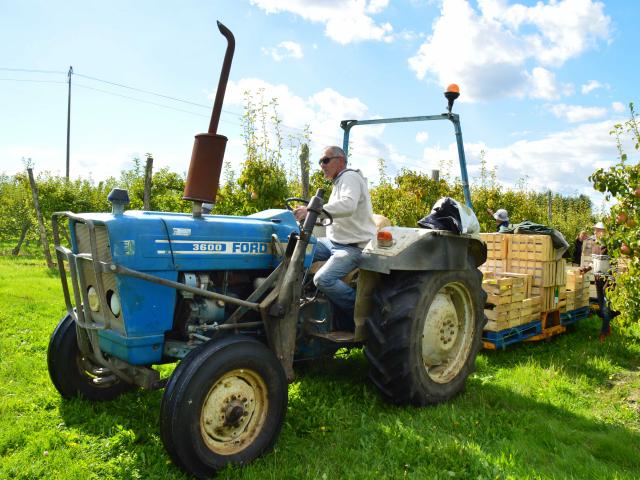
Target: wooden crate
x,y
517,296
543,273
526,281
549,298
497,326
492,265
574,279
501,299
531,247
504,312
496,285
561,277
497,245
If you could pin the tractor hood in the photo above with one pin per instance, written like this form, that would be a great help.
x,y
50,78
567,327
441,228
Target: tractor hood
x,y
151,241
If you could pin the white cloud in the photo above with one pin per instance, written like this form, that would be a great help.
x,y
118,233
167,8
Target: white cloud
x,y
345,21
618,107
590,86
322,112
543,85
508,49
560,161
577,113
286,49
422,137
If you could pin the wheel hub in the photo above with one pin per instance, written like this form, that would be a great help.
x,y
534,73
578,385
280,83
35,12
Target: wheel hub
x,y
440,330
233,411
448,333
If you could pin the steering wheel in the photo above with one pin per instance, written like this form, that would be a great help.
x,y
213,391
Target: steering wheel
x,y
328,219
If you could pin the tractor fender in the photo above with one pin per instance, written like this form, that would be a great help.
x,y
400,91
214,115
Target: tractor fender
x,y
424,249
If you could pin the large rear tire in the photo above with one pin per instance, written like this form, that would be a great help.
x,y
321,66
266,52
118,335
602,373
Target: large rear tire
x,y
424,334
225,403
75,375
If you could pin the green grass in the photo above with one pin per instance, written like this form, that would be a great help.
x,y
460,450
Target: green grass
x,y
569,408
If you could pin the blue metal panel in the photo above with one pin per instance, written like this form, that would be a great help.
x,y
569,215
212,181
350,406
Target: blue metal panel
x,y
220,242
156,241
135,350
147,308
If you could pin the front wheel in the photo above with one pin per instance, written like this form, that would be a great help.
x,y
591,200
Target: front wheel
x,y
424,334
73,374
225,403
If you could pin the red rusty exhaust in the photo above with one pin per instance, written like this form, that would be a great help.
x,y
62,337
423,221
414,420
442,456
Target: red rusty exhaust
x,y
208,148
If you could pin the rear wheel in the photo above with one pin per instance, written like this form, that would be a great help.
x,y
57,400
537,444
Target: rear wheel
x,y
225,403
424,334
73,374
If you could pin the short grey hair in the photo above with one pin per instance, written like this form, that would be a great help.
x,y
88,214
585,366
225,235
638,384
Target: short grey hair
x,y
336,151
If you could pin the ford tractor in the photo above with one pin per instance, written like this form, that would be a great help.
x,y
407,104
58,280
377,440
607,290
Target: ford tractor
x,y
231,299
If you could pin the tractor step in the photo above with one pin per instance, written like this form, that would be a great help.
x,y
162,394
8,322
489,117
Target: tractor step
x,y
336,337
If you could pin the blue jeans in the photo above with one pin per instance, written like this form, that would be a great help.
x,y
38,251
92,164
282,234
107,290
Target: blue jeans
x,y
341,259
604,310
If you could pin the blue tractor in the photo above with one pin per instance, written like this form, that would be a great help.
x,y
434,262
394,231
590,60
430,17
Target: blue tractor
x,y
232,300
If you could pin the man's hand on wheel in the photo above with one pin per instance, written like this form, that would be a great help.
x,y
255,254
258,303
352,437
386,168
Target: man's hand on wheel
x,y
300,213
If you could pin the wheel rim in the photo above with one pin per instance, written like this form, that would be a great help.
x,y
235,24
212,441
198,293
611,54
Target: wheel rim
x,y
447,333
234,412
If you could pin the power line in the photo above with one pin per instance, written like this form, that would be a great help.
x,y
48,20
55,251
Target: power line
x,y
149,92
30,70
139,100
136,89
27,80
143,91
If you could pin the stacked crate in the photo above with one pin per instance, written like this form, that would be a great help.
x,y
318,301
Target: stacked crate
x,y
577,289
534,254
497,249
510,305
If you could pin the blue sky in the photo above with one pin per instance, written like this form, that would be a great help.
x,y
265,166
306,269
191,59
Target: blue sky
x,y
542,82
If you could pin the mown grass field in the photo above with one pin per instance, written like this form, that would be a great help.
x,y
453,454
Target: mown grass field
x,y
569,408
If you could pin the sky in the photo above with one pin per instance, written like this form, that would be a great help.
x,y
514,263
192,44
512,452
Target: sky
x,y
542,82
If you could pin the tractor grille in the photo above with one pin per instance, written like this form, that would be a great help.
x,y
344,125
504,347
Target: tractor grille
x,y
102,240
87,272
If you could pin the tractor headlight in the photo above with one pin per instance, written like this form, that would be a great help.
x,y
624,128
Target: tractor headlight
x,y
94,300
114,302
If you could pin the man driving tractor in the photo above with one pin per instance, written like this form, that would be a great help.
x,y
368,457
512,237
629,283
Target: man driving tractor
x,y
352,228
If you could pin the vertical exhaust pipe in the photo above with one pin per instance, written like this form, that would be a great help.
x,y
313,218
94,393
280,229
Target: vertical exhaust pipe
x,y
208,148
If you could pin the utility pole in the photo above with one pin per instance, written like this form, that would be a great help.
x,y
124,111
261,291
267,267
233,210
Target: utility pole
x,y
69,118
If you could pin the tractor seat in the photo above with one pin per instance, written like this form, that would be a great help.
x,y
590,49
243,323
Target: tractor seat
x,y
381,221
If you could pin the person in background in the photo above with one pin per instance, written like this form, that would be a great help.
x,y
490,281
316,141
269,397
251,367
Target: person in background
x,y
352,228
501,217
602,282
577,252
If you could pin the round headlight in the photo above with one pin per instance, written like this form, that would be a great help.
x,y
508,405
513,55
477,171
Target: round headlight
x,y
94,300
114,303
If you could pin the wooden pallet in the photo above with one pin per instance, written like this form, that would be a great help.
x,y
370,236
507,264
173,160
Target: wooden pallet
x,y
509,336
550,326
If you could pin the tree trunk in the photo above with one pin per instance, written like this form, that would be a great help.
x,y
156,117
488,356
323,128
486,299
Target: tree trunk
x,y
43,232
25,229
304,169
147,183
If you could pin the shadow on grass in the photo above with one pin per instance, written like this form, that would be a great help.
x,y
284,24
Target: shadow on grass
x,y
577,352
337,425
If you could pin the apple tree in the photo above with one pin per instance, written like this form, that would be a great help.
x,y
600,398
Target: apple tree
x,y
621,182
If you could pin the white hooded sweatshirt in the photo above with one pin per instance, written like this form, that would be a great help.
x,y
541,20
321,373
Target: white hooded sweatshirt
x,y
350,207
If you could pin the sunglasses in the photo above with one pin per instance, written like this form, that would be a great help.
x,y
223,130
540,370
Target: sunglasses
x,y
325,160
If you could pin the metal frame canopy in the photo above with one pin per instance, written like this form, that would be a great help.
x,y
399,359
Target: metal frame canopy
x,y
454,118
